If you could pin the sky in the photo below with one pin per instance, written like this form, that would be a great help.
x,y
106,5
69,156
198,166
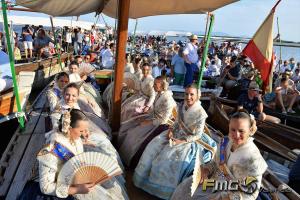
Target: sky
x,y
242,18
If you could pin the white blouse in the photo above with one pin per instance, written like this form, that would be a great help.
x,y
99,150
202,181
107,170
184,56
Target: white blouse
x,y
147,89
50,165
163,107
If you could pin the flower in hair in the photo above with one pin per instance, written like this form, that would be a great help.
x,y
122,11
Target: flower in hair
x,y
66,121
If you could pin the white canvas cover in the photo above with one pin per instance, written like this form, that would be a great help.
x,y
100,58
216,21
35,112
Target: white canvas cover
x,y
138,8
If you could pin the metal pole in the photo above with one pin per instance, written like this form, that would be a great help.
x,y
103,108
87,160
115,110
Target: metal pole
x,y
134,34
12,63
55,43
204,55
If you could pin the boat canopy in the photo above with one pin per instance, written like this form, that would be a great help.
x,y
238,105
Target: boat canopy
x,y
138,8
22,20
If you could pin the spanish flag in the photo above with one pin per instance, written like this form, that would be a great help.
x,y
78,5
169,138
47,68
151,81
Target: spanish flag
x,y
260,49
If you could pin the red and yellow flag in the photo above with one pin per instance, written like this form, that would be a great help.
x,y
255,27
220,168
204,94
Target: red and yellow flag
x,y
260,49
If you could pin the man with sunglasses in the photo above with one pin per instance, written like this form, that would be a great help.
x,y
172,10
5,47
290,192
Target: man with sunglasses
x,y
253,103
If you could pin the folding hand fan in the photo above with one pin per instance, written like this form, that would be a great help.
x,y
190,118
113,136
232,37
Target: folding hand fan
x,y
196,174
88,167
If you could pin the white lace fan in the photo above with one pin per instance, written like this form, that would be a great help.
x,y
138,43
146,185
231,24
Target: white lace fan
x,y
88,167
196,174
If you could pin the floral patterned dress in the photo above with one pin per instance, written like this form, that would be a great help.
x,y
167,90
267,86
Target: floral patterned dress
x,y
163,166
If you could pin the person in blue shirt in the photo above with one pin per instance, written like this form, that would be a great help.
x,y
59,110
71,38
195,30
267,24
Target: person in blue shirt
x,y
252,102
27,33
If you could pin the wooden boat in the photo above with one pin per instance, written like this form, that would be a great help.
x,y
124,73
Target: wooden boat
x,y
287,119
8,106
18,160
44,70
220,120
124,8
286,135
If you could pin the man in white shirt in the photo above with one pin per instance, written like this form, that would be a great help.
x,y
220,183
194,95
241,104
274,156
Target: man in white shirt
x,y
108,60
157,70
285,67
5,73
190,57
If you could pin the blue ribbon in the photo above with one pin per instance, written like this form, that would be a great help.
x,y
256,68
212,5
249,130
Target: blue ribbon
x,y
62,152
223,150
57,92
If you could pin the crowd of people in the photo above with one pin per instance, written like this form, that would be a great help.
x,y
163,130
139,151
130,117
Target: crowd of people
x,y
161,140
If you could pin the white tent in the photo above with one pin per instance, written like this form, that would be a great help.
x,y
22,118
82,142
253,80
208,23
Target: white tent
x,y
156,33
22,20
178,33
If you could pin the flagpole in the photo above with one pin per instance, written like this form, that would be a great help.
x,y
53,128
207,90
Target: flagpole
x,y
274,7
12,64
279,40
204,55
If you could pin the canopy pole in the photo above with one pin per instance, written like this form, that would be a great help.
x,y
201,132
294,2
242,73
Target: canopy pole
x,y
207,21
55,43
204,55
123,15
12,64
134,34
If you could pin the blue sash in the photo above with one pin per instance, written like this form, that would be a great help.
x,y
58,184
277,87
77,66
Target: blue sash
x,y
57,92
61,152
223,145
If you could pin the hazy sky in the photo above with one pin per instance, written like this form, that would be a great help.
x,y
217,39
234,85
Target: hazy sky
x,y
238,19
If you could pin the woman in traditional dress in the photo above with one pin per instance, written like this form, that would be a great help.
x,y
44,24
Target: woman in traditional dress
x,y
88,95
54,94
131,86
99,132
136,133
142,102
238,158
63,145
170,157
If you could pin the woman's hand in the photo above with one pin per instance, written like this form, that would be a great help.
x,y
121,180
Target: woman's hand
x,y
81,188
146,122
177,141
170,134
204,174
146,109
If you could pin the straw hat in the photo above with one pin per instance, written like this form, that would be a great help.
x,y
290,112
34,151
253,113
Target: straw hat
x,y
194,37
